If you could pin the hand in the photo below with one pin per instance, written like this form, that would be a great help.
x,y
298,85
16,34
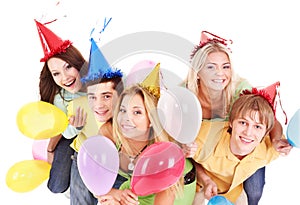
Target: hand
x,y
190,149
108,200
128,198
79,119
210,189
282,146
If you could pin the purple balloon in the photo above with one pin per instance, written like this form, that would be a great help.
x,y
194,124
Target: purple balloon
x,y
98,164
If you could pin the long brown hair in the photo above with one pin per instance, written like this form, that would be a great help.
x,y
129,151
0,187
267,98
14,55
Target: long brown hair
x,y
47,86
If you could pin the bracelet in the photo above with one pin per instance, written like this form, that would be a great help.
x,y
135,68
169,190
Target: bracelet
x,y
50,151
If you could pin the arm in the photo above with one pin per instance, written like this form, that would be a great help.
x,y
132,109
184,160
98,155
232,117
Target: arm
x,y
51,147
123,197
209,186
281,145
166,197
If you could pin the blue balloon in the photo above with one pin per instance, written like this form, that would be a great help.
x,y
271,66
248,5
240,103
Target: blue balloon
x,y
219,200
293,130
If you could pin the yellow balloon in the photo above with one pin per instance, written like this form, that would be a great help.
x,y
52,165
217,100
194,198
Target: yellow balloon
x,y
41,120
26,175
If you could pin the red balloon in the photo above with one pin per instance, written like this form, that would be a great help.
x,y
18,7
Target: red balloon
x,y
158,167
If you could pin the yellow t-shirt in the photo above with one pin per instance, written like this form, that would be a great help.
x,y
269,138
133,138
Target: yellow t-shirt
x,y
226,170
91,128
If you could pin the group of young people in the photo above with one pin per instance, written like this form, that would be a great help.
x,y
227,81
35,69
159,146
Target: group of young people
x,y
239,133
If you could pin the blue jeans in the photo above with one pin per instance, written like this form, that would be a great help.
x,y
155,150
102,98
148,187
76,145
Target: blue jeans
x,y
79,193
59,178
254,186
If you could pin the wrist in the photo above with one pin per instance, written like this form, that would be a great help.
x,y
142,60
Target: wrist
x,y
50,151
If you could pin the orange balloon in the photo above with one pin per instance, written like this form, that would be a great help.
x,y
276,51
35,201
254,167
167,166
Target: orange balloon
x,y
26,175
41,120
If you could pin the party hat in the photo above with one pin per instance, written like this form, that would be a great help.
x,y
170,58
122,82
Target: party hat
x,y
151,82
98,66
51,43
270,93
207,37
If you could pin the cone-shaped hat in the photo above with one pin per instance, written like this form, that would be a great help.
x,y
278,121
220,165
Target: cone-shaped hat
x,y
152,82
98,66
51,43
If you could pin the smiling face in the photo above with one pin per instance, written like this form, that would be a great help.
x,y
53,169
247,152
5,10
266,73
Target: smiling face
x,y
64,75
216,73
133,118
247,133
102,98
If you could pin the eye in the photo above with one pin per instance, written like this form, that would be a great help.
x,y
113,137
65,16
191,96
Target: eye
x,y
68,66
242,122
226,66
210,66
92,97
107,96
55,74
258,127
137,112
122,110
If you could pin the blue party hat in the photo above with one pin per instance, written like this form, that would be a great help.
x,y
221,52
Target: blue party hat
x,y
98,66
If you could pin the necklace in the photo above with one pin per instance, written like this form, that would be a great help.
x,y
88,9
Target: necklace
x,y
131,164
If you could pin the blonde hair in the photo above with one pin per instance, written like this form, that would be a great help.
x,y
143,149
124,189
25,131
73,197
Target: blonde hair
x,y
198,62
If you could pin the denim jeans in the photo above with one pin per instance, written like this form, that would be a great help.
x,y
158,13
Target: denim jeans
x,y
79,193
254,186
59,178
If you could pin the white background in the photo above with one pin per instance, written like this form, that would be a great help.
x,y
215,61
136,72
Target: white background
x,y
266,49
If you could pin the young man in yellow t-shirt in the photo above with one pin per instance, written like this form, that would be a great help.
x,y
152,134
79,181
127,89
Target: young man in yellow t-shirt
x,y
230,152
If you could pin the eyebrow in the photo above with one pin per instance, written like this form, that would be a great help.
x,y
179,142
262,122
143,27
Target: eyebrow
x,y
104,93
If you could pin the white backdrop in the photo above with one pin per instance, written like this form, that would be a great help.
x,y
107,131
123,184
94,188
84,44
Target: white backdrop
x,y
266,49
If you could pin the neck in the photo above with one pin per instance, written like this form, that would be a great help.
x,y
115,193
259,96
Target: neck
x,y
137,147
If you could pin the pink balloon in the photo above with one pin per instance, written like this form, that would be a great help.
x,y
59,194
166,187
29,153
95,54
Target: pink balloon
x,y
98,164
180,113
158,167
139,72
39,149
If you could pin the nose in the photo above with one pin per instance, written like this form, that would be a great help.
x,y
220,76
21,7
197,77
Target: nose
x,y
248,131
64,75
99,103
219,70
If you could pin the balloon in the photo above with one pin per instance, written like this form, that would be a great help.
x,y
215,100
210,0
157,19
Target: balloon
x,y
26,175
219,200
41,120
180,113
158,167
293,130
139,71
39,149
98,164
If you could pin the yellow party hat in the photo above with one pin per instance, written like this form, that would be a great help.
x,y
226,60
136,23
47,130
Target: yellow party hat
x,y
152,83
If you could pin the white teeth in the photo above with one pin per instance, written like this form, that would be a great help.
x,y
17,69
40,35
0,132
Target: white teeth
x,y
246,140
127,126
70,83
218,81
